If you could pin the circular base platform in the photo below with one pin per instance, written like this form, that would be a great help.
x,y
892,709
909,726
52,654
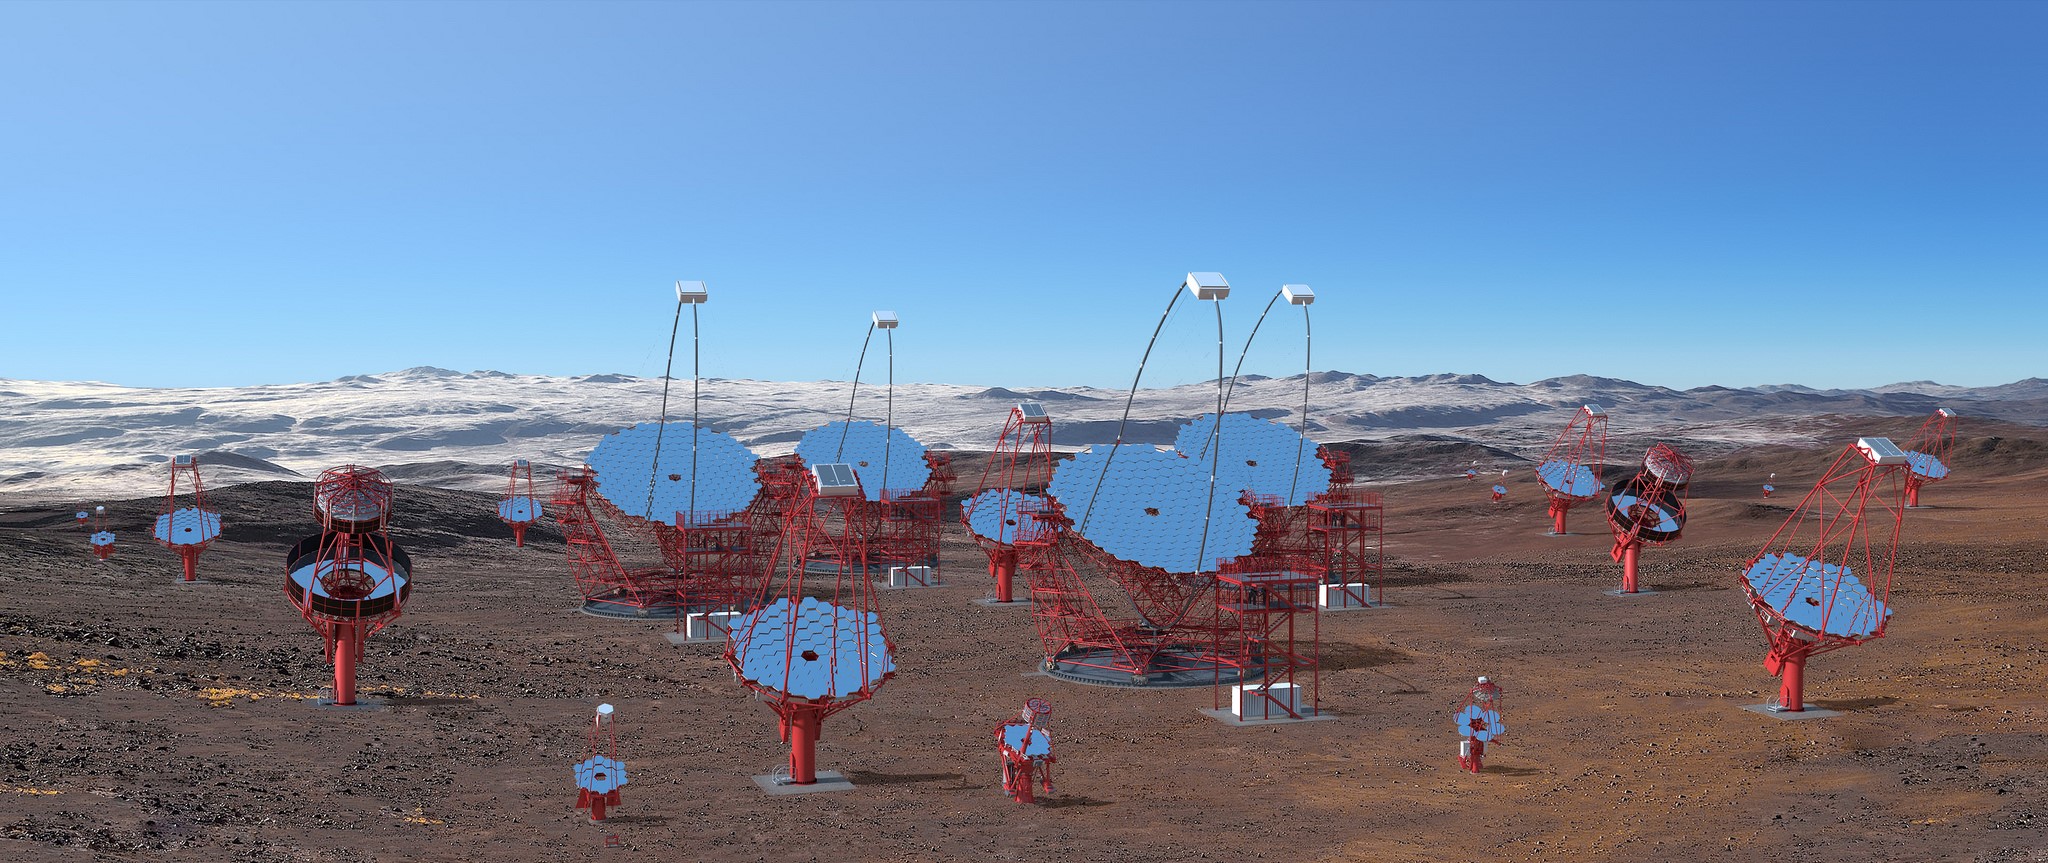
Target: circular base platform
x,y
1173,669
613,609
1639,592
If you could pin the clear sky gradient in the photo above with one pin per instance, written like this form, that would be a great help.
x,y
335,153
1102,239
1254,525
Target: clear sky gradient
x,y
1834,194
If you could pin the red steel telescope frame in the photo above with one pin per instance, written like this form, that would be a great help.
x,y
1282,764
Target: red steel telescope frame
x,y
350,580
602,742
1022,461
102,540
1583,443
520,486
1937,438
905,527
1022,768
1656,512
1851,521
1483,703
823,527
709,565
188,553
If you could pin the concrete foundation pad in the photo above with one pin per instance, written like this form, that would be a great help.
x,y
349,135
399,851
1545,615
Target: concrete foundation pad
x,y
828,780
1788,716
364,704
992,603
1224,716
1332,609
1625,593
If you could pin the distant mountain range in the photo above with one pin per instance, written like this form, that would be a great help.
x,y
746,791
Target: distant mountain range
x,y
64,440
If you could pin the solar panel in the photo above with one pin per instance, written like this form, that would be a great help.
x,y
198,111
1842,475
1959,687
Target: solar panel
x,y
691,292
836,480
1034,413
624,461
823,650
181,461
1258,456
1478,723
1150,508
1945,412
1880,450
1000,515
600,775
188,526
1593,410
863,448
1571,480
1818,596
519,508
1027,740
1926,466
1300,295
884,320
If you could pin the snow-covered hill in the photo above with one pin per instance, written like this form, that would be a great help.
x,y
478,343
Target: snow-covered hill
x,y
77,440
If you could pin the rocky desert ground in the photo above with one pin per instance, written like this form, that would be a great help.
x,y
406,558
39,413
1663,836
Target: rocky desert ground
x,y
143,720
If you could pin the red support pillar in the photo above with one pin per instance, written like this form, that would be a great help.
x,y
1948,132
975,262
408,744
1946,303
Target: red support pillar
x,y
190,558
1912,493
801,729
1005,571
1472,754
1558,509
1630,553
519,537
347,648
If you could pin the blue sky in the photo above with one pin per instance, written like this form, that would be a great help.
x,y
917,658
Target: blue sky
x,y
1677,193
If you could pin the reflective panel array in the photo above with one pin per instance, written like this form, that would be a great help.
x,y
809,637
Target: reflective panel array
x,y
1818,596
1000,515
725,481
1478,723
519,508
1258,456
1026,740
864,445
1150,508
188,526
1926,466
826,651
105,537
313,576
1654,516
1500,489
1570,480
600,775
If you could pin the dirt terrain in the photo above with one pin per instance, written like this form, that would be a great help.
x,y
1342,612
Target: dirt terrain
x,y
145,720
